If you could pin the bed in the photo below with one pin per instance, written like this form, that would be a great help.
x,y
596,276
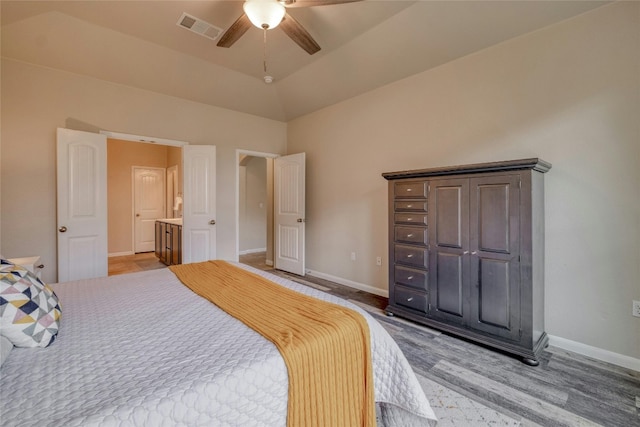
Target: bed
x,y
142,349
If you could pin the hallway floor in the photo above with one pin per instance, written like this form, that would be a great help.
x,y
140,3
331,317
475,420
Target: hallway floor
x,y
132,263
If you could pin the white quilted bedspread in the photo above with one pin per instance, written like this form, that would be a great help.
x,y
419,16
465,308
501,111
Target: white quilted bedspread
x,y
143,350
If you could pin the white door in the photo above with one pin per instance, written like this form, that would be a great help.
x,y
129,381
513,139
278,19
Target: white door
x,y
148,205
199,211
289,203
82,205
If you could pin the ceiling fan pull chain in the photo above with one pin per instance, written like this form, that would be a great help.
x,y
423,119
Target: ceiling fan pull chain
x,y
264,56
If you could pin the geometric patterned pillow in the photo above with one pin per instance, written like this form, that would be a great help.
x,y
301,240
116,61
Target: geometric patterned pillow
x,y
29,309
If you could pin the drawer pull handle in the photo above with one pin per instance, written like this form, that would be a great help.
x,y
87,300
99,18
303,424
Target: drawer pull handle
x,y
409,190
409,219
409,299
409,206
410,235
410,256
410,277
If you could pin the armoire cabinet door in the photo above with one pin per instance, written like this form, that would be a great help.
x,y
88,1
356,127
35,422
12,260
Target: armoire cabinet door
x,y
494,211
448,245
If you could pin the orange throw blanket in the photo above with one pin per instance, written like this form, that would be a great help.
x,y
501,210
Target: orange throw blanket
x,y
325,346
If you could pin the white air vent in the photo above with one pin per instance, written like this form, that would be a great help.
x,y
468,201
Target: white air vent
x,y
199,26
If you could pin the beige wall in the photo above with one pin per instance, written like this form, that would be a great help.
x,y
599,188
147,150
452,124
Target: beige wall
x,y
36,100
569,94
122,156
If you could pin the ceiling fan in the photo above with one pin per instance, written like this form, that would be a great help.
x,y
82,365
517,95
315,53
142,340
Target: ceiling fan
x,y
268,14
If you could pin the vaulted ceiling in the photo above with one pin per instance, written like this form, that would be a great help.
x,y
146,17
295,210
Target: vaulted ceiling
x,y
364,45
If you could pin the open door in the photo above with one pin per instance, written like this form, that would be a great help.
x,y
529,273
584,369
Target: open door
x,y
289,217
199,212
82,205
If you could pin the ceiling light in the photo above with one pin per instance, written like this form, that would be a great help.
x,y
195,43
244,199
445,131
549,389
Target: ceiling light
x,y
265,14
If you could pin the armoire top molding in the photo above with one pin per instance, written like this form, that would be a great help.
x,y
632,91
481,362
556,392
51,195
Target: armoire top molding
x,y
536,164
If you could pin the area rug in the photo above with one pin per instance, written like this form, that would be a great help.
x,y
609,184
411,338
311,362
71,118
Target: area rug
x,y
456,410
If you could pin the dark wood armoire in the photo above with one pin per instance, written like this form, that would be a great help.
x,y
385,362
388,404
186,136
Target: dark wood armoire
x,y
466,252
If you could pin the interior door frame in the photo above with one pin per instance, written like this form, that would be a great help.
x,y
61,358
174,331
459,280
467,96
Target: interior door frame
x,y
145,140
239,154
171,176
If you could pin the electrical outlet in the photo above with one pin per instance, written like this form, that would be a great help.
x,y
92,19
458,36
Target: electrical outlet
x,y
353,256
379,260
636,308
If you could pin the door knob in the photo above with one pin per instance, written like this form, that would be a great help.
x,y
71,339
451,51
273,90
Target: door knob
x,y
300,220
62,229
137,214
212,222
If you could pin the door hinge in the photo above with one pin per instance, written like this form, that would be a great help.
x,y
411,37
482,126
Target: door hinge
x,y
519,183
520,333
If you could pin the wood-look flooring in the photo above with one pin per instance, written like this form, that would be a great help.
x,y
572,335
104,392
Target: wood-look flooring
x,y
132,263
566,389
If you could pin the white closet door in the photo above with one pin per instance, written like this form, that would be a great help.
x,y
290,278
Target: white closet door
x,y
199,213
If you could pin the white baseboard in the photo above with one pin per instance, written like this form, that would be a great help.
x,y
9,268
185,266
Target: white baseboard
x,y
252,251
595,353
350,283
121,254
563,343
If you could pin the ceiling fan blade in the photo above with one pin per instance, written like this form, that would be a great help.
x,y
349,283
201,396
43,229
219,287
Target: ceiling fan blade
x,y
308,3
235,31
298,34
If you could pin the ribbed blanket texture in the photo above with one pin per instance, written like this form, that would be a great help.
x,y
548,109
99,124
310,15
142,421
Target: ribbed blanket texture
x,y
326,347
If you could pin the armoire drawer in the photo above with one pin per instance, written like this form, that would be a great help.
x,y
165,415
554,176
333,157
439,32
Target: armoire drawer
x,y
410,206
412,189
411,256
417,235
410,218
410,277
410,298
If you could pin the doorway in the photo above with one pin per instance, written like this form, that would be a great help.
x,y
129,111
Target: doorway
x,y
133,204
86,162
254,208
285,215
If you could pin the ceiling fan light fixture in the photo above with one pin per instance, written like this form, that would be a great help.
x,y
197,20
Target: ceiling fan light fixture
x,y
265,14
